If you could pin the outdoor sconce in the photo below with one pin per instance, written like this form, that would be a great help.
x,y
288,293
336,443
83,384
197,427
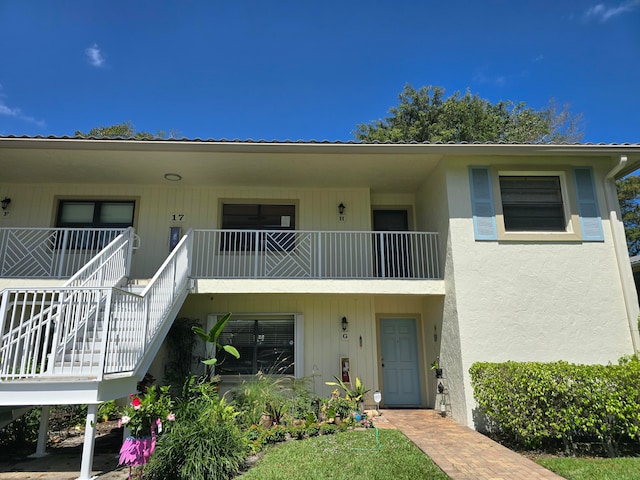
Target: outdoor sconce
x,y
5,203
344,324
341,208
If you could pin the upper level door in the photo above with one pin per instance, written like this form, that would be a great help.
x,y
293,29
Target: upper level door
x,y
393,259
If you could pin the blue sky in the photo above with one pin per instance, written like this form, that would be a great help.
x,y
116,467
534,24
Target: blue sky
x,y
287,69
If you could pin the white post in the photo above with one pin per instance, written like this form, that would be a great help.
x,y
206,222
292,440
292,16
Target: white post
x,y
41,447
89,443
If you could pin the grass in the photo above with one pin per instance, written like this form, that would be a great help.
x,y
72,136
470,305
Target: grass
x,y
346,455
627,468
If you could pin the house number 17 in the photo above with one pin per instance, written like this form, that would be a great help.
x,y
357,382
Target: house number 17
x,y
177,217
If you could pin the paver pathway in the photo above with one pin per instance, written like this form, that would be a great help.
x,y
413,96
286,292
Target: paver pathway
x,y
463,453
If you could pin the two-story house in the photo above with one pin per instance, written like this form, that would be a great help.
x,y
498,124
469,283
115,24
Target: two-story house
x,y
372,260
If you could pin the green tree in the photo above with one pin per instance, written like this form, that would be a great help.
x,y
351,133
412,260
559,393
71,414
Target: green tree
x,y
629,199
123,130
426,115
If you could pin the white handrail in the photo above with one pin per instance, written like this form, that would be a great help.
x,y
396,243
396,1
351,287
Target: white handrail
x,y
42,327
50,252
136,319
315,254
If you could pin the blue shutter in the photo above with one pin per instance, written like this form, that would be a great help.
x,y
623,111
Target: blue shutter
x,y
590,221
484,220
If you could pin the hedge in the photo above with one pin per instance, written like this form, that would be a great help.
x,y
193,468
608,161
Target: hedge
x,y
540,404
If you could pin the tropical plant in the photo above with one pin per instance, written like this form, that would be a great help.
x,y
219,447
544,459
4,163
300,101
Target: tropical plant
x,y
356,394
212,337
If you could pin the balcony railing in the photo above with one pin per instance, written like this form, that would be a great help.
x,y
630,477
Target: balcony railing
x,y
314,254
50,252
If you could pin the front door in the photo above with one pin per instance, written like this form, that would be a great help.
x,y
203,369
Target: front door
x,y
393,258
400,366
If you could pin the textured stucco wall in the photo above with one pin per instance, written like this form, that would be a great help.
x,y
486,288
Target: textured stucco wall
x,y
533,301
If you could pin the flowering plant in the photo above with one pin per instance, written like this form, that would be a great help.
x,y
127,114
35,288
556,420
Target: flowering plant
x,y
147,409
337,405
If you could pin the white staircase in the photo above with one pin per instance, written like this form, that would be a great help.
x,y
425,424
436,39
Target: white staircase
x,y
92,339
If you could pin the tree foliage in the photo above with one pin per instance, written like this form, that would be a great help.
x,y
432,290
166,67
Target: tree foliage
x,y
629,199
120,130
426,115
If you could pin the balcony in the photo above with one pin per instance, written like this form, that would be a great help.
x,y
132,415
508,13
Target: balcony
x,y
238,261
50,252
295,254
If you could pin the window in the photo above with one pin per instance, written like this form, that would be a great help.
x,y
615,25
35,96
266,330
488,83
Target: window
x,y
267,217
532,204
95,214
115,215
265,345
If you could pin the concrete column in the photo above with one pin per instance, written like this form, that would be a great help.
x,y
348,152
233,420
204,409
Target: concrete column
x,y
89,443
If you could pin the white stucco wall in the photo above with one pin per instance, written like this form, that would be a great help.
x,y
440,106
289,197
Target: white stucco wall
x,y
533,301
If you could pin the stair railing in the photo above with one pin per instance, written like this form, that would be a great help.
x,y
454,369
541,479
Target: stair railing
x,y
40,325
136,319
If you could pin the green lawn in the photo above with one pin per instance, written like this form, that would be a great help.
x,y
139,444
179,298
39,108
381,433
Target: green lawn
x,y
594,468
346,455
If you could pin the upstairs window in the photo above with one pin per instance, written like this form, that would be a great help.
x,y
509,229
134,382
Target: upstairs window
x,y
532,204
251,217
95,213
110,215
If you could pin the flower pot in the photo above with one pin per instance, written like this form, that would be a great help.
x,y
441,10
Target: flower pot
x,y
266,420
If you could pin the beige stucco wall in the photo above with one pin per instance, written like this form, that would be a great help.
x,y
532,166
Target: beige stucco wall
x,y
535,301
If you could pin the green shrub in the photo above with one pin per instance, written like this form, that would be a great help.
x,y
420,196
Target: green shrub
x,y
21,435
298,433
275,434
205,442
313,430
108,411
539,404
328,428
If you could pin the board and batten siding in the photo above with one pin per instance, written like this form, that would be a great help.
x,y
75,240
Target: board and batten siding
x,y
323,343
317,209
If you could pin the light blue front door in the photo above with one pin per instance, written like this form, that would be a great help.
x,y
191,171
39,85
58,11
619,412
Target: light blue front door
x,y
400,367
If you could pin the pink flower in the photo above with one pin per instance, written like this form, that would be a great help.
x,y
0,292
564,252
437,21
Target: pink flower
x,y
171,417
124,420
136,403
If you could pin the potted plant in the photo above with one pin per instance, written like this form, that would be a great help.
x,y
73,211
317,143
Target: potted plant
x,y
436,366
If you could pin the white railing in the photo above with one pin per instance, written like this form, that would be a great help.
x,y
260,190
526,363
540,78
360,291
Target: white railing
x,y
136,319
57,331
50,252
314,254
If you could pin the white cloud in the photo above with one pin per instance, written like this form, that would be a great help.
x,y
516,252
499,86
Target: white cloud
x,y
496,81
14,112
602,12
94,55
539,58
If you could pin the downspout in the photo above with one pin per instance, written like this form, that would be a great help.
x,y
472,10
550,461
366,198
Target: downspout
x,y
622,254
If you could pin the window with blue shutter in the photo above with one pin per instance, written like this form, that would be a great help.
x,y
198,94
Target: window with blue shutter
x,y
590,221
484,220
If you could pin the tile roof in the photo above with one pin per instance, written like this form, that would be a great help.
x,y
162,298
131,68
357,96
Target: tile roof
x,y
311,141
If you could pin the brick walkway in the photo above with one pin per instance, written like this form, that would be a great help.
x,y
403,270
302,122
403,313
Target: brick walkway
x,y
462,453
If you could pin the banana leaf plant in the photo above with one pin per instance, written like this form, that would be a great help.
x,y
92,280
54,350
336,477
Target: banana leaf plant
x,y
211,337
